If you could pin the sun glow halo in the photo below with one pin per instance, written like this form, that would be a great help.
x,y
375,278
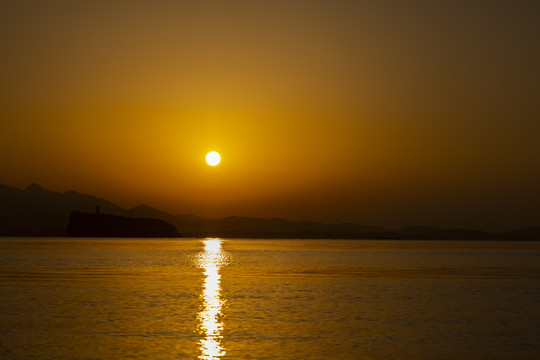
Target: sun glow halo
x,y
213,158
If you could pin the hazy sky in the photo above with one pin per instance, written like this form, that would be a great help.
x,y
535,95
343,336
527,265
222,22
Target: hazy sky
x,y
377,112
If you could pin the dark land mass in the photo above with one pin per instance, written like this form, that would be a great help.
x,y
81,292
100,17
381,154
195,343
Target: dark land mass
x,y
106,225
35,211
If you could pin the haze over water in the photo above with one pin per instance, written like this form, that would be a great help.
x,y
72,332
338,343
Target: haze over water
x,y
268,299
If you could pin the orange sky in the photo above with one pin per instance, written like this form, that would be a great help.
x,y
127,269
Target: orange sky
x,y
378,112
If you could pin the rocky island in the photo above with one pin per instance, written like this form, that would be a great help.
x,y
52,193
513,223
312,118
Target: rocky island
x,y
105,225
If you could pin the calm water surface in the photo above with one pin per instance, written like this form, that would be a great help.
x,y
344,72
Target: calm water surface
x,y
268,299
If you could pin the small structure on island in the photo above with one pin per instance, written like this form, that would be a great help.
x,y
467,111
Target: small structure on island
x,y
105,225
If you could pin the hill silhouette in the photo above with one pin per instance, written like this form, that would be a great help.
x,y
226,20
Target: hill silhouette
x,y
35,211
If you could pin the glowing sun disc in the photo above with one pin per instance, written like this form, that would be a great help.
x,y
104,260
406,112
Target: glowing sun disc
x,y
213,158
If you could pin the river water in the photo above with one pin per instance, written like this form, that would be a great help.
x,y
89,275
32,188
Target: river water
x,y
268,299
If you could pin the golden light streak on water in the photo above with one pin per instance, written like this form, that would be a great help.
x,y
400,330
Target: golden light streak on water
x,y
209,315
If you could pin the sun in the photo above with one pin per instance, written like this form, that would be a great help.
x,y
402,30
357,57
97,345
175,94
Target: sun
x,y
213,158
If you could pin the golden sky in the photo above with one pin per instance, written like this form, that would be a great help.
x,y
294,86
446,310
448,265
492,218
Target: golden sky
x,y
376,112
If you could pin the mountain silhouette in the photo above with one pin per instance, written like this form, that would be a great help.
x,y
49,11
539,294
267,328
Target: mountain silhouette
x,y
35,211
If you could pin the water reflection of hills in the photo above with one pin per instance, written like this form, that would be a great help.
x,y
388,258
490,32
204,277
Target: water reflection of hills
x,y
35,211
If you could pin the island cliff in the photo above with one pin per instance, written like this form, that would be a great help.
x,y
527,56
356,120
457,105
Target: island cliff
x,y
105,225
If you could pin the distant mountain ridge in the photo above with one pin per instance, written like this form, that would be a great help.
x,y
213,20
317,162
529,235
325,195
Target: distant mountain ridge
x,y
35,211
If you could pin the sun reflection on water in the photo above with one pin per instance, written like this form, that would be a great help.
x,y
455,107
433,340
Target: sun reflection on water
x,y
210,325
